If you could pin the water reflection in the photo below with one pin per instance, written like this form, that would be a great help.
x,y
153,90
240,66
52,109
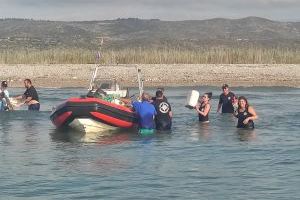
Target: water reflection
x,y
104,137
201,131
246,134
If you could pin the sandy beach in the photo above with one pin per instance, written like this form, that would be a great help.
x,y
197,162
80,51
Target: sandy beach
x,y
155,75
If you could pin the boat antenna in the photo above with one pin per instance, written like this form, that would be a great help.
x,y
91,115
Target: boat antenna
x,y
98,58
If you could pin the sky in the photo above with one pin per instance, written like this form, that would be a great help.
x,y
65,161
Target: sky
x,y
170,10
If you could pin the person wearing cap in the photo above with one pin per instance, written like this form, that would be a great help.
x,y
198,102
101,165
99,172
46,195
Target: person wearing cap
x,y
163,119
30,95
146,113
4,96
162,90
225,100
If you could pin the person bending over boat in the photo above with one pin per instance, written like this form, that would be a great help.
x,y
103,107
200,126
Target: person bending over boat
x,y
226,100
146,113
163,119
245,114
31,96
4,96
203,107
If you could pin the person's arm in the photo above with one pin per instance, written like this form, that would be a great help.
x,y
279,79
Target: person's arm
x,y
19,97
253,117
205,112
27,100
170,114
220,104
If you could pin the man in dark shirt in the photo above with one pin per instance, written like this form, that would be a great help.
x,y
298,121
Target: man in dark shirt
x,y
30,95
163,119
164,97
226,100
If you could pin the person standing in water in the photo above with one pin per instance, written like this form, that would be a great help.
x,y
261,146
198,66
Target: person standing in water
x,y
163,119
146,113
31,96
203,107
4,96
226,100
245,114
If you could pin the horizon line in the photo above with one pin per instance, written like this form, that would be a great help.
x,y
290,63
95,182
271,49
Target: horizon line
x,y
154,19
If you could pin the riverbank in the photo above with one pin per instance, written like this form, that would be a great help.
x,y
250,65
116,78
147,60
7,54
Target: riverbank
x,y
78,75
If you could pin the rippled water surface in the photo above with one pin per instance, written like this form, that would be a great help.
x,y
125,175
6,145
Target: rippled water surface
x,y
195,161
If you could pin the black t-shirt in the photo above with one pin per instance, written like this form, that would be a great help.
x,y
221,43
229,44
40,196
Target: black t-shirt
x,y
31,92
226,101
162,108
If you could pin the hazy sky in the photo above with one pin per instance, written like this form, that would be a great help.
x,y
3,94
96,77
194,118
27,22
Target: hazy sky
x,y
285,10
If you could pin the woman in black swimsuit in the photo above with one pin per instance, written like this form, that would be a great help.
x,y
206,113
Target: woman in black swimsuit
x,y
245,114
203,107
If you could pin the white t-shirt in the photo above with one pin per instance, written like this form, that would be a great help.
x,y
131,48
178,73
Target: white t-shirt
x,y
3,102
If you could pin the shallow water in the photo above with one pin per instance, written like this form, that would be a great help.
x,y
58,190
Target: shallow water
x,y
195,161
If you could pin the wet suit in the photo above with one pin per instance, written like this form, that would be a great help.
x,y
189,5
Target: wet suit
x,y
163,120
226,101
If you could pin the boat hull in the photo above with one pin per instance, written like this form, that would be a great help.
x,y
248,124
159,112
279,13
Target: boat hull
x,y
92,115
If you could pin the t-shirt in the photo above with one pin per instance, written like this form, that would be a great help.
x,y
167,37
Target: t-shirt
x,y
226,101
31,92
3,103
146,113
162,108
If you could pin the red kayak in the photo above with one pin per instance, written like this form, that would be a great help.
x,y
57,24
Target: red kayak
x,y
92,114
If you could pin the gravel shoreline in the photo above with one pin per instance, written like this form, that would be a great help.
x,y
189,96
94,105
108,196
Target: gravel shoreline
x,y
71,75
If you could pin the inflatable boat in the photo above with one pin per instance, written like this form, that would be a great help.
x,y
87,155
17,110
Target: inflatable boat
x,y
90,114
100,110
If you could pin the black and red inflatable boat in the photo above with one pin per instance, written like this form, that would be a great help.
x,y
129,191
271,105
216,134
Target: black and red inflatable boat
x,y
92,114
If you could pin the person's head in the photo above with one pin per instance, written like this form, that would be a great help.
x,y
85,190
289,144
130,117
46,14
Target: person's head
x,y
160,89
146,97
27,83
4,84
234,99
225,88
206,97
159,94
243,102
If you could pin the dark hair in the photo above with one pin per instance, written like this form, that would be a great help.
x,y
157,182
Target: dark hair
x,y
243,98
28,80
225,86
161,89
4,84
159,94
209,94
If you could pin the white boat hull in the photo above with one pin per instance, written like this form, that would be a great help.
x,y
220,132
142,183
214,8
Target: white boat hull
x,y
88,125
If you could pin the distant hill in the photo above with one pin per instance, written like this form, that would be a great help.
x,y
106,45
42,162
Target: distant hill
x,y
153,33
